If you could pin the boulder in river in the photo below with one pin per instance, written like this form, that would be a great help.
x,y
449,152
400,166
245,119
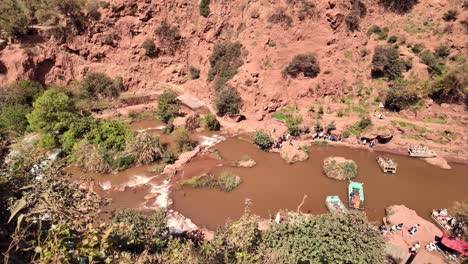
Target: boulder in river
x,y
339,168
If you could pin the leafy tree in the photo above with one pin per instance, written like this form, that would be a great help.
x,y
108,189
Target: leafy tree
x,y
399,6
47,142
280,17
386,62
263,139
183,139
78,129
228,101
303,63
451,86
205,8
13,119
135,231
168,107
52,112
110,135
225,61
401,96
434,65
325,239
211,122
13,19
99,85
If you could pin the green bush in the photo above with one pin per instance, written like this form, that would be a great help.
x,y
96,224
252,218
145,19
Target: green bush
x,y
450,15
110,135
168,107
169,36
451,86
352,21
205,8
280,17
13,120
442,51
434,66
169,157
382,33
98,85
183,139
145,149
392,39
52,111
21,93
301,239
229,181
386,62
13,19
263,139
364,123
417,48
150,48
201,181
225,61
47,142
211,122
401,95
135,231
228,101
399,6
194,73
293,123
306,64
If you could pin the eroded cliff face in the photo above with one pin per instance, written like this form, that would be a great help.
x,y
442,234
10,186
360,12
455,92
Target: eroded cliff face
x,y
113,45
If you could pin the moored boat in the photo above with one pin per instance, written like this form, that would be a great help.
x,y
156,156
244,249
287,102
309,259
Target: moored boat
x,y
387,164
356,195
335,206
421,151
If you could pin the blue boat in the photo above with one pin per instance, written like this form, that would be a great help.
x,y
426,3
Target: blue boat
x,y
356,195
335,206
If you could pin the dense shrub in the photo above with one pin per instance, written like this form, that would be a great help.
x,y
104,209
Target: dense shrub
x,y
110,135
263,139
13,18
92,9
280,17
399,6
201,181
99,85
211,122
417,48
168,107
434,65
229,181
205,8
169,36
386,62
442,51
135,231
392,39
351,240
451,86
169,157
145,149
382,33
401,95
183,139
450,15
352,21
52,111
225,62
47,142
194,73
303,63
364,123
150,48
227,101
13,120
23,92
89,158
293,123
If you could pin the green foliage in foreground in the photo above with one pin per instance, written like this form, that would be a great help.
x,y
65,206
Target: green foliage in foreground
x,y
325,239
263,139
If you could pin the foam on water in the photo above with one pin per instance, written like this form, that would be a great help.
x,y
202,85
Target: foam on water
x,y
138,180
210,141
162,200
105,185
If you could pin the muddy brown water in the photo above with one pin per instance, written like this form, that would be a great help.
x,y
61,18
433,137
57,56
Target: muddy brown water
x,y
273,184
